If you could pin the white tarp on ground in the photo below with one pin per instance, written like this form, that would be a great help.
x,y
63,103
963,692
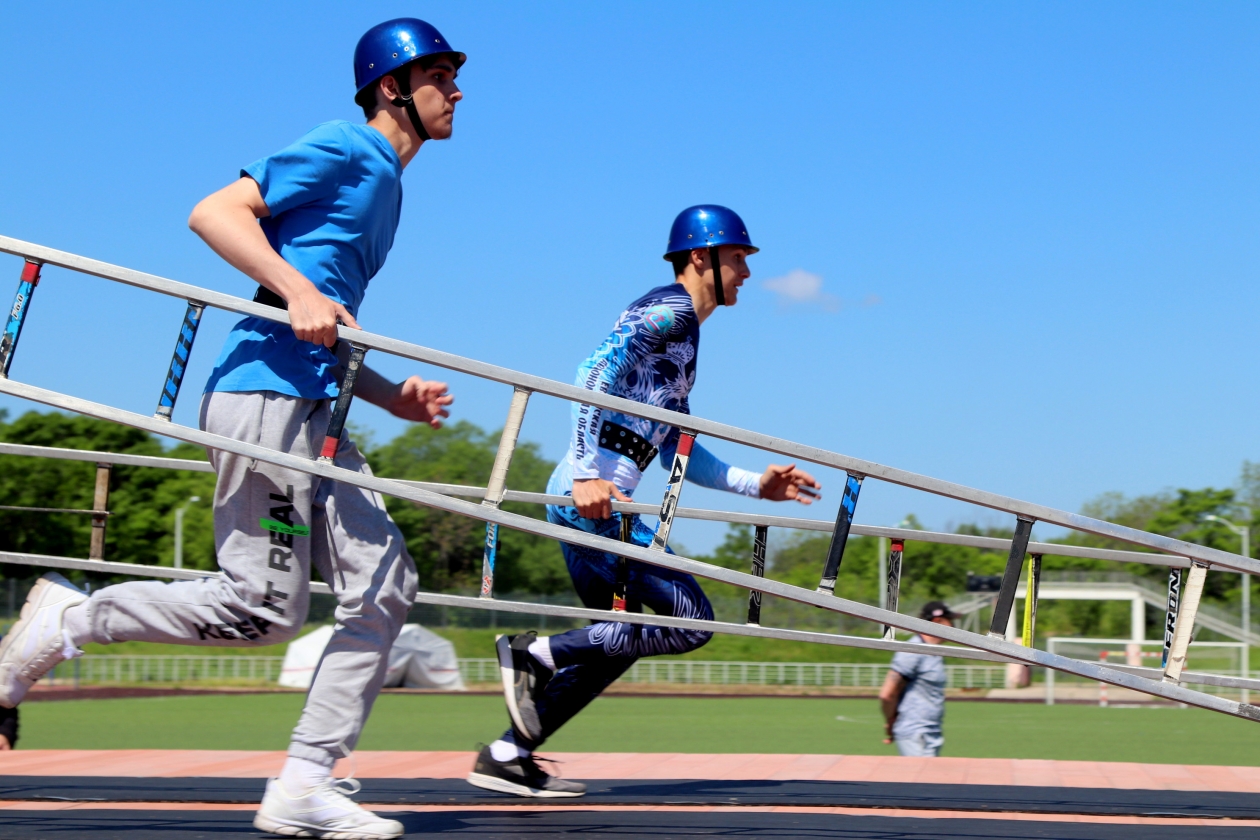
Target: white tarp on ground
x,y
419,658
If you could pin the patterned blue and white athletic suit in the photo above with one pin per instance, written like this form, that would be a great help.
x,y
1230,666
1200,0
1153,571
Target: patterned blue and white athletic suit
x,y
650,357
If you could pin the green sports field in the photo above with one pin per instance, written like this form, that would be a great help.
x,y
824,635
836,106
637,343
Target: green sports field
x,y
650,724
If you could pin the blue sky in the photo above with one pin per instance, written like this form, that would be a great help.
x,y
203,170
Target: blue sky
x,y
1034,224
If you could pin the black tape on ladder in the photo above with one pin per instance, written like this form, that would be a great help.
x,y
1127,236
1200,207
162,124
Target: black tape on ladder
x,y
1010,578
341,408
758,569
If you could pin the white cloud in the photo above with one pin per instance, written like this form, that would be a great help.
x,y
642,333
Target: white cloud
x,y
799,286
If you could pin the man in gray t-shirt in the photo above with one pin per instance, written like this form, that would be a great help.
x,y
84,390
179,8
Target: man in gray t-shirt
x,y
913,695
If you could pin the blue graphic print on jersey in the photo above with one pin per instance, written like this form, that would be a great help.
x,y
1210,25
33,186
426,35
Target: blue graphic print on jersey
x,y
650,357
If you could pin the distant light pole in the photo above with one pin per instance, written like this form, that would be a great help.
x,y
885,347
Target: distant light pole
x,y
1244,534
179,530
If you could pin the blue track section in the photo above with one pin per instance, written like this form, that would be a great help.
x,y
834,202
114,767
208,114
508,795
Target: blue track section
x,y
527,824
383,793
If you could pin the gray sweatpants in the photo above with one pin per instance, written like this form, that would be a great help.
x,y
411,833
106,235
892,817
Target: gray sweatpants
x,y
270,526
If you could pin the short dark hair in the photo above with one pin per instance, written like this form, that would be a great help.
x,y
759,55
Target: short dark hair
x,y
366,98
679,259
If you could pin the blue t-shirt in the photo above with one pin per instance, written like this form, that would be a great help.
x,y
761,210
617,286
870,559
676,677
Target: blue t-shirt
x,y
335,197
922,707
650,357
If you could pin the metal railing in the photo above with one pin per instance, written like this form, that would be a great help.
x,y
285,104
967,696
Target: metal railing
x,y
857,470
706,672
97,669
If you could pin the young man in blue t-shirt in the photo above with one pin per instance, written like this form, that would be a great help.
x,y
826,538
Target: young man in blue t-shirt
x,y
650,357
311,224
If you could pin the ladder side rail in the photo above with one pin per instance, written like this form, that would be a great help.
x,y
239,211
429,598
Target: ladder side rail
x,y
1032,656
538,384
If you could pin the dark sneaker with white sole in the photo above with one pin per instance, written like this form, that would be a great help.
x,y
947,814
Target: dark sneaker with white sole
x,y
524,679
520,777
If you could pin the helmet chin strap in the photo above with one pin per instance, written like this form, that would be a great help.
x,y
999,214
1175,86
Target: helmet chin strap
x,y
404,100
718,292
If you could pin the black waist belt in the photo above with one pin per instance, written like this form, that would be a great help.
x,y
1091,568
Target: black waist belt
x,y
620,440
269,298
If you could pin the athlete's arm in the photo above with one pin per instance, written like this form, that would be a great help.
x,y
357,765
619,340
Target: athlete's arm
x,y
414,399
779,483
889,699
227,221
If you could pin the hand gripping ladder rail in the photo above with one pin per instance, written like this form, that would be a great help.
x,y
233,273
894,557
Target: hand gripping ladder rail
x,y
992,646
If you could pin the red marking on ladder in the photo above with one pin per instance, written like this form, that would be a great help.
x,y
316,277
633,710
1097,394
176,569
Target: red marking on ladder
x,y
30,273
684,443
330,447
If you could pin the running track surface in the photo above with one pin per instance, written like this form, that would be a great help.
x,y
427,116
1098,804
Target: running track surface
x,y
722,767
184,821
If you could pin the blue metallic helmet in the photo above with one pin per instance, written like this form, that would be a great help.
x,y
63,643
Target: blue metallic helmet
x,y
709,226
390,46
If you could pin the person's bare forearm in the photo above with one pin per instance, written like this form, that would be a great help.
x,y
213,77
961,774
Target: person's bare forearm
x,y
889,708
890,699
374,388
228,222
371,386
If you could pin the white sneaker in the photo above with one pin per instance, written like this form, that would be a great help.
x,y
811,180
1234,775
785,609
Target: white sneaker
x,y
323,811
37,642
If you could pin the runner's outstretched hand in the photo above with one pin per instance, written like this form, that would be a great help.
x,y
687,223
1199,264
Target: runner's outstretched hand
x,y
420,401
591,497
783,483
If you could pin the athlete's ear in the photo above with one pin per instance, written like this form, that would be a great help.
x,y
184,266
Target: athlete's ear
x,y
388,87
700,260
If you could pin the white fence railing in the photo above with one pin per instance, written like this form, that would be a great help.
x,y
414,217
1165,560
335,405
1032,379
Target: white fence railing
x,y
99,669
701,672
168,669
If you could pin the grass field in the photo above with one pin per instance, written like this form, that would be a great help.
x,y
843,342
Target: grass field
x,y
633,724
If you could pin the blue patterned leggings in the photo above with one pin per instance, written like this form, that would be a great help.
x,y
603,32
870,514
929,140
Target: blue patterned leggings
x,y
588,660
